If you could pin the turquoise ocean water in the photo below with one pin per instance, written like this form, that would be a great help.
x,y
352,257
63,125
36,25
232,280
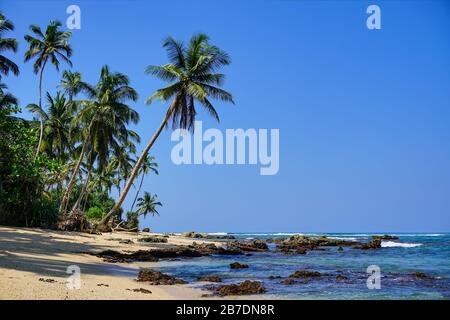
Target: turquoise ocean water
x,y
397,260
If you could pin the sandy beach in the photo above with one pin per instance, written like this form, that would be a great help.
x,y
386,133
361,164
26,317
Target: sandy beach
x,y
33,265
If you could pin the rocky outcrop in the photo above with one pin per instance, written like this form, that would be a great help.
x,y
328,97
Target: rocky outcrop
x,y
372,244
384,237
158,278
249,245
305,274
146,230
299,244
246,287
289,281
210,278
193,234
153,239
237,265
211,248
422,275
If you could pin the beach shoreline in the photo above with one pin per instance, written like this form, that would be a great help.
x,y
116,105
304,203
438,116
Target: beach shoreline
x,y
34,262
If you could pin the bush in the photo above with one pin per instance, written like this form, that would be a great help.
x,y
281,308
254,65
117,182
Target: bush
x,y
95,213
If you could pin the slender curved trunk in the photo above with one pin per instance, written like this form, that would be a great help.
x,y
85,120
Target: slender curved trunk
x,y
83,191
139,190
65,199
138,164
40,106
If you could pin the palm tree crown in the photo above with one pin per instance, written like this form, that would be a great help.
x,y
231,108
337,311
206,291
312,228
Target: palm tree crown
x,y
7,44
147,204
192,72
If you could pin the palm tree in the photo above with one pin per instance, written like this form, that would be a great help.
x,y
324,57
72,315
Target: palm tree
x,y
193,77
122,162
105,120
147,166
56,123
7,44
53,45
72,84
147,204
6,98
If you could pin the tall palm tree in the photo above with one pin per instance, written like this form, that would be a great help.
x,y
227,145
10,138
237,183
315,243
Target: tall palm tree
x,y
147,204
7,44
72,84
193,77
56,123
105,118
147,166
122,162
53,45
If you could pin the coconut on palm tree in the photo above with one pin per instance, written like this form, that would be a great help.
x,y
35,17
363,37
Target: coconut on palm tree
x,y
54,46
105,118
193,77
7,44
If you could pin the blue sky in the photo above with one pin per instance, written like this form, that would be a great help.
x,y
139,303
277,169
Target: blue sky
x,y
363,114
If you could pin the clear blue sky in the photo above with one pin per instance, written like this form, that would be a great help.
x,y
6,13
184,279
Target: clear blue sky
x,y
364,116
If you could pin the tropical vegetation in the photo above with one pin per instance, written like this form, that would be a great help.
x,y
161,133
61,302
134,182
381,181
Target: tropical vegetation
x,y
62,166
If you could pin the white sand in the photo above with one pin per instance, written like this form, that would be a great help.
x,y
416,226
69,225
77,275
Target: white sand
x,y
27,255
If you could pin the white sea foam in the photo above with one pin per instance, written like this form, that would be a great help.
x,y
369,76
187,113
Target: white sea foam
x,y
391,244
218,233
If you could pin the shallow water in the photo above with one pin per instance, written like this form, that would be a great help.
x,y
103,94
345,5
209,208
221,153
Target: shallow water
x,y
428,253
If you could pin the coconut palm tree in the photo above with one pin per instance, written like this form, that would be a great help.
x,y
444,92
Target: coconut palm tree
x,y
147,166
6,98
105,118
7,44
54,46
147,204
192,73
72,84
56,123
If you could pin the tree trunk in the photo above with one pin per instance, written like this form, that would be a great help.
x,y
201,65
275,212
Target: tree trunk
x,y
138,164
65,199
139,190
83,191
40,106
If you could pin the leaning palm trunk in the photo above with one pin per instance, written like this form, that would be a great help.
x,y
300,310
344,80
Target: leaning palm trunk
x,y
138,164
41,134
139,190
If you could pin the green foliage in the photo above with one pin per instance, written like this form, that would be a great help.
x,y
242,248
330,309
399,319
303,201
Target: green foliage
x,y
95,213
21,176
132,220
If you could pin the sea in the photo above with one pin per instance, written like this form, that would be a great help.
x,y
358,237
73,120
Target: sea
x,y
384,273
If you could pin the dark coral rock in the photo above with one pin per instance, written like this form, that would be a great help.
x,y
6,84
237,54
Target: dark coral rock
x,y
237,265
158,278
384,237
243,288
372,244
210,278
304,274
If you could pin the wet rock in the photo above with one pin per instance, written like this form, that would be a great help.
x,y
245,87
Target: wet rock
x,y
193,234
304,274
372,244
384,237
148,255
141,290
249,245
220,237
237,265
211,278
158,278
153,239
211,248
146,230
274,277
300,244
340,249
341,277
243,288
289,281
422,275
